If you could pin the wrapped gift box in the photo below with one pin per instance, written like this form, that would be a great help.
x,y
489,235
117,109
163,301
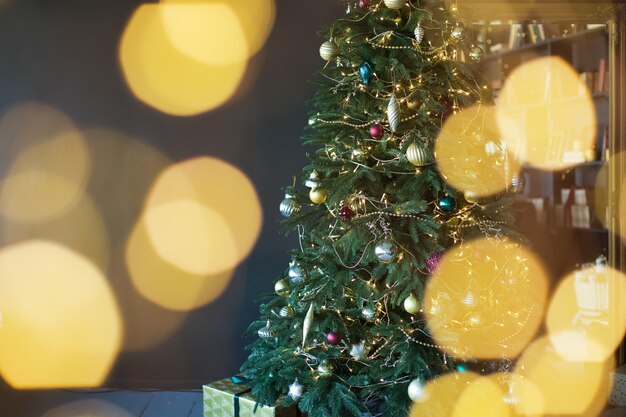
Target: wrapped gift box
x,y
232,397
618,393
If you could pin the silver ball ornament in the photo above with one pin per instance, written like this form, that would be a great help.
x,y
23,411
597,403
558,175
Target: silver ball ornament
x,y
417,391
329,50
386,250
368,313
417,155
296,273
476,54
325,369
395,4
411,304
289,206
458,33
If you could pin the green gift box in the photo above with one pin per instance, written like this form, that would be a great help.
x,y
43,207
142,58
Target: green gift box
x,y
232,397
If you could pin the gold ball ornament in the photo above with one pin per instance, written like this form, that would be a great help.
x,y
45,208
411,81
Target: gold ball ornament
x,y
470,197
411,304
417,155
318,195
329,50
282,288
413,102
476,54
458,33
395,4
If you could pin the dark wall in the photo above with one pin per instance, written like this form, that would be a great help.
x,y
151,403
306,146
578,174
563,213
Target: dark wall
x,y
64,53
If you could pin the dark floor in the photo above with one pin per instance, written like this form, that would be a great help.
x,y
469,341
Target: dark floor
x,y
101,404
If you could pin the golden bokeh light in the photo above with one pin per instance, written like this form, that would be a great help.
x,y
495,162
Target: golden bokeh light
x,y
192,236
200,30
546,114
443,395
520,395
203,216
567,387
61,321
482,398
586,319
486,299
167,79
469,153
49,163
87,408
201,219
165,285
81,229
255,18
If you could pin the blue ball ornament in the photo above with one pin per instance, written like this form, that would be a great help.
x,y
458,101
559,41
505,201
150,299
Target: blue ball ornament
x,y
447,204
462,368
365,71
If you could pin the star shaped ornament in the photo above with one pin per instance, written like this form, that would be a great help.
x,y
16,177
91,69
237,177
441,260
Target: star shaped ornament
x,y
295,390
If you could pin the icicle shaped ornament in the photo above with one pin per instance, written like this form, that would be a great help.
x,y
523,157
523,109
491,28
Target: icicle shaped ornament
x,y
308,322
393,114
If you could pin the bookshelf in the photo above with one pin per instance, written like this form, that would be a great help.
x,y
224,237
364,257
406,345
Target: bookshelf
x,y
570,230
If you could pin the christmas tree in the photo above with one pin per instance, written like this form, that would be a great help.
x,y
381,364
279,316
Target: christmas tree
x,y
346,333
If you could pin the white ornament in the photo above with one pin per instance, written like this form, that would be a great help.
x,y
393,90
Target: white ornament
x,y
411,304
359,352
295,390
313,181
469,299
297,274
419,33
395,4
416,390
308,322
491,148
289,206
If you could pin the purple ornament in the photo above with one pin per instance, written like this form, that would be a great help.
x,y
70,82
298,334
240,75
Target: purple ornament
x,y
433,261
333,338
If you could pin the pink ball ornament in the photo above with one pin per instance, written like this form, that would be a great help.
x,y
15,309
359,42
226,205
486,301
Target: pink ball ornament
x,y
333,338
377,131
364,4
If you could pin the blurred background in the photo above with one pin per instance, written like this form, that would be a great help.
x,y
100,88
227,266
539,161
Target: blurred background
x,y
114,122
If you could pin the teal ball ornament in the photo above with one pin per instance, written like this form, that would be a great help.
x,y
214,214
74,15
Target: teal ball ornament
x,y
365,71
447,204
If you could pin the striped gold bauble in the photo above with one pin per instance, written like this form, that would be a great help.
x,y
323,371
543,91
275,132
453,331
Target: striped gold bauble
x,y
417,155
329,50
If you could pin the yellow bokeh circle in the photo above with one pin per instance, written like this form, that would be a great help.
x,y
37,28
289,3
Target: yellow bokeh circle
x,y
565,387
61,323
201,219
586,319
50,163
464,157
172,81
442,395
486,299
546,114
